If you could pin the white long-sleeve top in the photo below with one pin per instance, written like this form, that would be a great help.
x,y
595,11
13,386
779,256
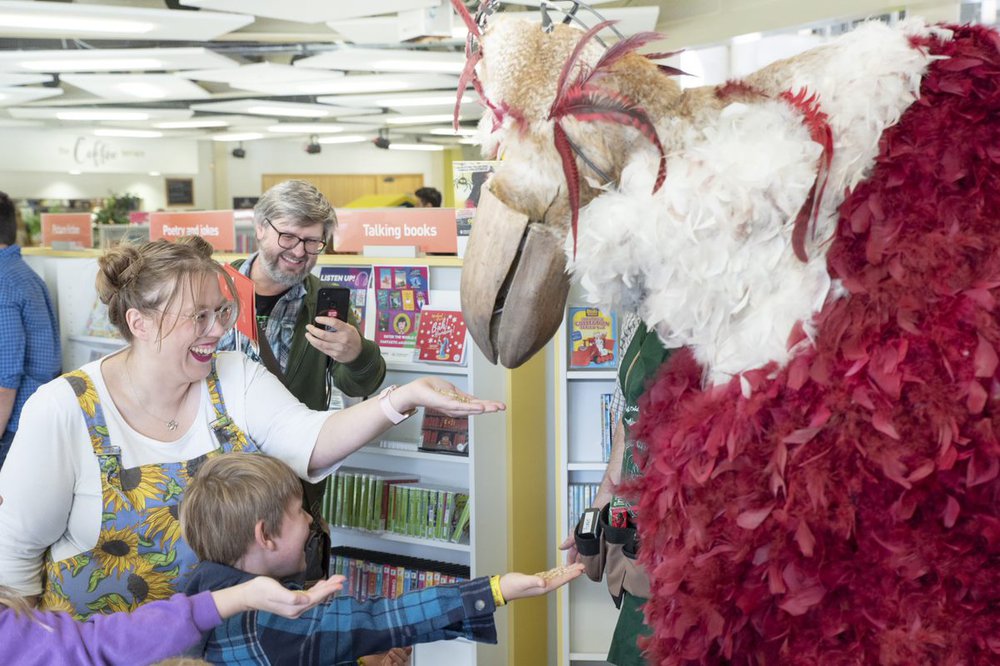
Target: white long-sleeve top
x,y
51,482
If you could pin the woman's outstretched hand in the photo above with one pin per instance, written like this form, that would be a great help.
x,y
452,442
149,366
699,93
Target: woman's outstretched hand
x,y
443,396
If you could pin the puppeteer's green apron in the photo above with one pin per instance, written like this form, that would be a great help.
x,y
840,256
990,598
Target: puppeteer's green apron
x,y
140,555
640,363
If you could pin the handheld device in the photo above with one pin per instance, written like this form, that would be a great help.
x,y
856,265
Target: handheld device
x,y
333,302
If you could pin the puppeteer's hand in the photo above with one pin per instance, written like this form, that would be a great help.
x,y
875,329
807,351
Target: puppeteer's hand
x,y
569,545
521,586
441,395
342,344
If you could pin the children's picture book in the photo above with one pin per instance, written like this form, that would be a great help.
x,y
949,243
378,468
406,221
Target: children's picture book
x,y
441,337
355,278
469,178
401,292
445,434
593,339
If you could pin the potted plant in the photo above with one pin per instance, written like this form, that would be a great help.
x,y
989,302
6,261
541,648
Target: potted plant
x,y
116,207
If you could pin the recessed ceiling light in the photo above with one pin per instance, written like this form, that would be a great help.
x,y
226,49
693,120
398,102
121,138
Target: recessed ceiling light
x,y
191,124
128,133
104,64
75,173
345,138
429,147
102,115
237,136
154,173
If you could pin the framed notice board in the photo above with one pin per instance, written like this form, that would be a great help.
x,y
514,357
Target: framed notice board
x,y
180,191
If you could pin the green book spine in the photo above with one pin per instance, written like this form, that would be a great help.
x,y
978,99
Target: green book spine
x,y
463,522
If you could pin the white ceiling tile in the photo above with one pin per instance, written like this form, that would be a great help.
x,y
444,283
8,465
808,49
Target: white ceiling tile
x,y
97,113
19,95
405,101
387,60
20,18
23,79
136,87
113,60
276,109
356,84
375,30
309,11
261,72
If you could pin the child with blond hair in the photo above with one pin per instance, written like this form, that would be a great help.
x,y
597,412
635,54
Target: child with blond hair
x,y
243,517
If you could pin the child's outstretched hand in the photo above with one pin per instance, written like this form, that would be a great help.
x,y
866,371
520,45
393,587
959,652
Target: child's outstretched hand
x,y
521,586
267,594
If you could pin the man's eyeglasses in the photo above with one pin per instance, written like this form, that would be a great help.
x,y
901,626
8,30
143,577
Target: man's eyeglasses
x,y
291,241
204,320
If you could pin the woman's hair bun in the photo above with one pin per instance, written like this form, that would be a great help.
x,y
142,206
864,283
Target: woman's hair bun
x,y
116,268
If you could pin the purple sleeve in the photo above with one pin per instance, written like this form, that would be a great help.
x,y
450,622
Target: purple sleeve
x,y
152,632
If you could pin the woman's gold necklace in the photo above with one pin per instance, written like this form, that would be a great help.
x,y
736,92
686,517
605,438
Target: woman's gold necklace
x,y
172,423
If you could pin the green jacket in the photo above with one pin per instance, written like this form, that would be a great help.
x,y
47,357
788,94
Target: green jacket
x,y
308,368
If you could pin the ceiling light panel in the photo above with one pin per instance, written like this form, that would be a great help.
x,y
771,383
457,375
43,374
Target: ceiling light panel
x,y
309,11
98,113
136,87
277,109
113,60
344,138
387,60
22,95
305,128
20,18
361,83
375,30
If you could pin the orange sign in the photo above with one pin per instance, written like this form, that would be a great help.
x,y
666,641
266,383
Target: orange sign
x,y
71,228
429,229
215,226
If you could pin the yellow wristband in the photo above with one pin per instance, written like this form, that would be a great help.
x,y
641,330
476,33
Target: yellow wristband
x,y
361,661
497,594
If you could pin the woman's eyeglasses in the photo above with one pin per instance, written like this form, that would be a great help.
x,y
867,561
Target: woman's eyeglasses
x,y
204,320
290,241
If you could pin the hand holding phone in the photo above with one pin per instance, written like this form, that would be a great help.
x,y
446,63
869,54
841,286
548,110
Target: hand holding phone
x,y
333,302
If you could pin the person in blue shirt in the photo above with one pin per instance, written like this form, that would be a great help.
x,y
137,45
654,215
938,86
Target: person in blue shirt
x,y
243,516
29,334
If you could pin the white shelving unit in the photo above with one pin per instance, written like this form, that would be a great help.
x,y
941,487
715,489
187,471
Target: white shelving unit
x,y
504,471
585,613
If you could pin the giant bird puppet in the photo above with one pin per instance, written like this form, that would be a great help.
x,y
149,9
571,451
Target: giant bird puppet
x,y
820,239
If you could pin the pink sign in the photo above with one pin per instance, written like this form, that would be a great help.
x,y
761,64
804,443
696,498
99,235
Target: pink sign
x,y
430,229
215,226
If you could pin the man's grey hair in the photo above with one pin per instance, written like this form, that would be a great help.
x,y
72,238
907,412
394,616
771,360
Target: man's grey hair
x,y
298,203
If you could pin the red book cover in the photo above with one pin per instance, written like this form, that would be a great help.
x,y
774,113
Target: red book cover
x,y
441,337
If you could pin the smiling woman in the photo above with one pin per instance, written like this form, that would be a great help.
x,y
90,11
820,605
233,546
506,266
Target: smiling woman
x,y
116,442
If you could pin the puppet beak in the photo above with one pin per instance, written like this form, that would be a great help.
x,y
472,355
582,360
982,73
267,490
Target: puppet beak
x,y
514,283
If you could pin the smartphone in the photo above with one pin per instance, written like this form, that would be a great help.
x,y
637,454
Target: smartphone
x,y
333,302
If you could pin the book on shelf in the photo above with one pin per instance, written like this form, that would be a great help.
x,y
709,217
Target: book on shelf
x,y
441,337
462,522
360,497
401,292
426,511
581,496
608,422
593,339
441,433
372,574
355,278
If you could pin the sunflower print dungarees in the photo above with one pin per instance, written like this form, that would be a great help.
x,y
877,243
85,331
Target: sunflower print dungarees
x,y
140,555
